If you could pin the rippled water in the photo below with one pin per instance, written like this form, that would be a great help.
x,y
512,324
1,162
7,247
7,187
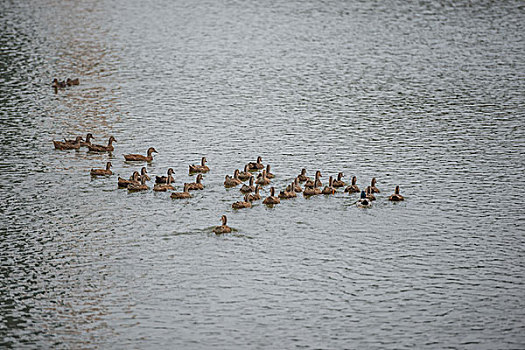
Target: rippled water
x,y
428,96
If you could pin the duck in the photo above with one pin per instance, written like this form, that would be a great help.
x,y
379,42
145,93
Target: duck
x,y
164,179
316,183
262,179
369,194
86,143
245,174
182,195
256,166
100,148
271,199
99,172
70,82
302,176
124,183
255,196
164,186
353,187
288,192
297,187
373,187
339,182
58,84
363,202
396,197
138,186
268,173
312,191
248,188
68,145
329,189
232,181
242,204
223,228
144,172
203,168
140,157
197,185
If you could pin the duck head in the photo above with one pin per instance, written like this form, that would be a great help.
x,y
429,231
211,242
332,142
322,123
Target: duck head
x,y
143,171
224,220
203,161
397,190
259,159
111,139
151,150
272,191
339,176
199,178
373,181
170,171
108,165
354,180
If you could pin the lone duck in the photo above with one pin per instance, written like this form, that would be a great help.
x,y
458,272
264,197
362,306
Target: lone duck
x,y
163,187
203,168
268,173
232,181
369,194
363,202
68,145
271,200
164,179
242,204
262,179
182,195
197,185
245,175
256,166
100,148
302,176
338,182
373,187
396,197
134,179
86,143
140,157
329,189
223,228
144,172
99,172
316,183
133,187
255,196
353,187
71,82
248,188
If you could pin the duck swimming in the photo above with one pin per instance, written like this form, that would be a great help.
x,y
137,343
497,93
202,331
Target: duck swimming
x,y
164,179
134,179
242,204
272,199
289,192
140,157
71,82
197,185
100,148
163,187
133,187
302,176
248,188
297,187
99,172
144,172
262,179
369,194
86,143
182,195
329,189
245,175
353,187
338,182
373,187
223,228
316,183
256,196
256,166
396,197
203,168
232,181
68,145
363,202
268,173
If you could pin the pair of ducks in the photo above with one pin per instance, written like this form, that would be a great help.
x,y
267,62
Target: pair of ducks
x,y
62,84
73,144
249,198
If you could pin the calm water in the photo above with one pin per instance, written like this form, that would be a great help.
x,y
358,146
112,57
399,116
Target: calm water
x,y
428,96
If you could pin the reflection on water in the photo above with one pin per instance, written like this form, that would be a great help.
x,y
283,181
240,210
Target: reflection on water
x,y
426,96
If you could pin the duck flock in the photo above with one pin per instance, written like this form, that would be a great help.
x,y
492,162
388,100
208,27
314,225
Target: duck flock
x,y
138,180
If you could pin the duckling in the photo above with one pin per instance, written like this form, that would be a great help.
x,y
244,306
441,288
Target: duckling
x,y
86,143
138,187
297,187
262,179
70,82
339,182
256,196
164,186
223,228
272,199
140,157
373,186
329,189
353,187
182,195
197,185
164,179
100,148
369,194
248,188
245,175
363,202
203,168
134,179
396,197
316,183
242,204
302,176
256,166
68,145
98,172
268,173
144,172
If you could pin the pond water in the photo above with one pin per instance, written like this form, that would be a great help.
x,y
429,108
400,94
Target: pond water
x,y
428,96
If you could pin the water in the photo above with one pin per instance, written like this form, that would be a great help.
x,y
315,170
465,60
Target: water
x,y
428,96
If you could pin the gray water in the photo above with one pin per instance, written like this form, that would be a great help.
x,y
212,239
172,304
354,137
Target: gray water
x,y
425,95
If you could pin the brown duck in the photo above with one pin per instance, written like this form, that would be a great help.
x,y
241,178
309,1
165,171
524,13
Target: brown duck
x,y
353,187
329,189
373,187
100,148
289,192
99,172
68,145
268,173
197,185
163,187
164,179
242,204
232,181
245,175
140,157
134,179
182,195
262,179
86,143
248,188
316,183
396,197
369,194
339,182
255,196
256,166
223,228
302,176
138,187
203,168
271,200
